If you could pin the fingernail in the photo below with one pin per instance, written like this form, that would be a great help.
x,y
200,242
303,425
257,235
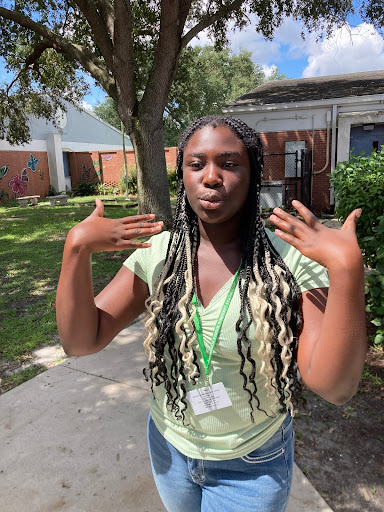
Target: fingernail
x,y
358,213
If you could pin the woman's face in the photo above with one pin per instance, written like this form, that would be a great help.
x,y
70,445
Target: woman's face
x,y
216,174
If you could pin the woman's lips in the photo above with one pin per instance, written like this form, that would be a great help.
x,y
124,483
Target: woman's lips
x,y
210,204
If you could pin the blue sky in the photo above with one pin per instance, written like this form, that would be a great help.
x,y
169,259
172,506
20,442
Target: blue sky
x,y
357,47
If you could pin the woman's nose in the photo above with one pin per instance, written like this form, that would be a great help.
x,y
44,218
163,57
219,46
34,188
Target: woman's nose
x,y
212,176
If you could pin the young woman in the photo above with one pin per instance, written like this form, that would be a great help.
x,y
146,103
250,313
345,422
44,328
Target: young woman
x,y
237,317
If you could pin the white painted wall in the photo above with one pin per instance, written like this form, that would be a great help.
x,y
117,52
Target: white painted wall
x,y
285,119
55,161
312,115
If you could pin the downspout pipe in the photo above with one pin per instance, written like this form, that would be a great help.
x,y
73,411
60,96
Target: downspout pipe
x,y
327,153
335,109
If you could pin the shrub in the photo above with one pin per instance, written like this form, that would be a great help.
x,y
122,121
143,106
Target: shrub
x,y
172,180
85,188
132,180
52,191
360,184
4,197
375,281
105,190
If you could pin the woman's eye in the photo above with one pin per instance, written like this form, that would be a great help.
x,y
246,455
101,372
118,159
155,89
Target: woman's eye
x,y
196,165
229,164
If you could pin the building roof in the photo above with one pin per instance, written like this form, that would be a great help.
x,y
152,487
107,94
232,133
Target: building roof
x,y
317,88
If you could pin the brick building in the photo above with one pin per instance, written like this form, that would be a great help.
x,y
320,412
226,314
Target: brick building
x,y
81,148
327,117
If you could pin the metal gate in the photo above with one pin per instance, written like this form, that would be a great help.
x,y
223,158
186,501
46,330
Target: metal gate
x,y
286,176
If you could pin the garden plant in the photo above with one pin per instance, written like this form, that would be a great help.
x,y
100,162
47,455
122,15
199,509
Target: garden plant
x,y
359,183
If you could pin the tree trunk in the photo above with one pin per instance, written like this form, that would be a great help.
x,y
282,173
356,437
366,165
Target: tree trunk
x,y
152,178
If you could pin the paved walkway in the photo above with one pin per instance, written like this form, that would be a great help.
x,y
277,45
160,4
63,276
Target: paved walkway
x,y
73,438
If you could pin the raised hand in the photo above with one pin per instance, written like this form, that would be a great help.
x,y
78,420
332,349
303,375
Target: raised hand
x,y
97,233
332,248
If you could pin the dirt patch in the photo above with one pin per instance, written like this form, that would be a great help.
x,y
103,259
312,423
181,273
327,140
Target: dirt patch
x,y
341,449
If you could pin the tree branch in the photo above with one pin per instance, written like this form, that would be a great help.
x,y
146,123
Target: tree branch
x,y
106,11
210,19
86,58
172,20
39,49
123,57
99,27
31,59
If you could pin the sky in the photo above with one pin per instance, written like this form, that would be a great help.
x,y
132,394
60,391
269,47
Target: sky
x,y
354,48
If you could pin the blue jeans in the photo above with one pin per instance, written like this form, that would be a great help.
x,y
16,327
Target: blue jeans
x,y
257,482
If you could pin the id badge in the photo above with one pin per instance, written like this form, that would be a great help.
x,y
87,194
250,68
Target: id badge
x,y
209,398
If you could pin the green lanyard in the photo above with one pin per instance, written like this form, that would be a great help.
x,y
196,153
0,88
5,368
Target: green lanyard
x,y
218,326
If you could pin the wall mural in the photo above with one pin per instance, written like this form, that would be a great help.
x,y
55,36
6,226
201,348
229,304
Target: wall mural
x,y
107,157
3,170
18,184
32,162
86,172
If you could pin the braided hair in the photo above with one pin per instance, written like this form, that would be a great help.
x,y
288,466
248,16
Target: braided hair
x,y
269,297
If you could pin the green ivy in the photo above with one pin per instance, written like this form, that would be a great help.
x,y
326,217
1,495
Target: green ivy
x,y
360,184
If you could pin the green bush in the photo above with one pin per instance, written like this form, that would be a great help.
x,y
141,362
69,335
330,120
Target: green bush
x,y
132,180
360,184
85,188
4,197
172,181
106,190
375,281
52,191
374,289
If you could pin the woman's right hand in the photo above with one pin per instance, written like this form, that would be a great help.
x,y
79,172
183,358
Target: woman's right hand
x,y
97,234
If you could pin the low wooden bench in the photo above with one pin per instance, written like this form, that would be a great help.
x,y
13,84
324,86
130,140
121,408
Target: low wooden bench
x,y
61,200
24,201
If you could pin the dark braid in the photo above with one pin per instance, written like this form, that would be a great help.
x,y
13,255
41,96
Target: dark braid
x,y
260,264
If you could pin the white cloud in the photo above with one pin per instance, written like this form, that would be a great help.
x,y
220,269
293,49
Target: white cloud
x,y
349,50
86,106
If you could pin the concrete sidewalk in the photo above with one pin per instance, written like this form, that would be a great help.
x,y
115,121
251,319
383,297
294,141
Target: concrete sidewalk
x,y
73,438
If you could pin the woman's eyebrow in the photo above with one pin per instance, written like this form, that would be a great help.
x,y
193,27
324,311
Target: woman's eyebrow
x,y
230,153
196,155
224,153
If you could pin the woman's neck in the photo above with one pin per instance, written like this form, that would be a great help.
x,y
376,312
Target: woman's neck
x,y
220,236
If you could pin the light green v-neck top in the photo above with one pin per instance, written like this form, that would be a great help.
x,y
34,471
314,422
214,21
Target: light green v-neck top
x,y
226,433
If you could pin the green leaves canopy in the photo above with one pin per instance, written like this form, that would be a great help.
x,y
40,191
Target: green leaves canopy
x,y
205,81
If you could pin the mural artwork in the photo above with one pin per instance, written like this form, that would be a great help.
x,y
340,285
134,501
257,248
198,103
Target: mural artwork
x,y
18,184
86,172
32,162
107,157
3,170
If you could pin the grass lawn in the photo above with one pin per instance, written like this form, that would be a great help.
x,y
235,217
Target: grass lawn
x,y
31,246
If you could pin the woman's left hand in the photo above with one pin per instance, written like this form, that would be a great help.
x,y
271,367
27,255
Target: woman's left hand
x,y
332,248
